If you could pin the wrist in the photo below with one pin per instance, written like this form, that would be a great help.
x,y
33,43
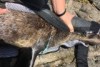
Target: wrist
x,y
61,14
67,18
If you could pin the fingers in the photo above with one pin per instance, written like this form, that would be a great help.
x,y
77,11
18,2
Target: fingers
x,y
3,11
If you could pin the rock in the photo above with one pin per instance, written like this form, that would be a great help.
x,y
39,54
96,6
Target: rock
x,y
57,59
96,3
86,11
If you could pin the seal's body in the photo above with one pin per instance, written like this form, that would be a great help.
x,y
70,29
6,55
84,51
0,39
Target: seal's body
x,y
26,30
23,29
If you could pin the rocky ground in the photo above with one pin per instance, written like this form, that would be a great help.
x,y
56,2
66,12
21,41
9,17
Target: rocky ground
x,y
89,10
64,58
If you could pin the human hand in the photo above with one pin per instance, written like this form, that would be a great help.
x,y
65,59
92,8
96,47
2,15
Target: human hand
x,y
3,10
67,17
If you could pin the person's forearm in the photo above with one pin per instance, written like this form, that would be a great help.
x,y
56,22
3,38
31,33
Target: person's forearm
x,y
58,6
